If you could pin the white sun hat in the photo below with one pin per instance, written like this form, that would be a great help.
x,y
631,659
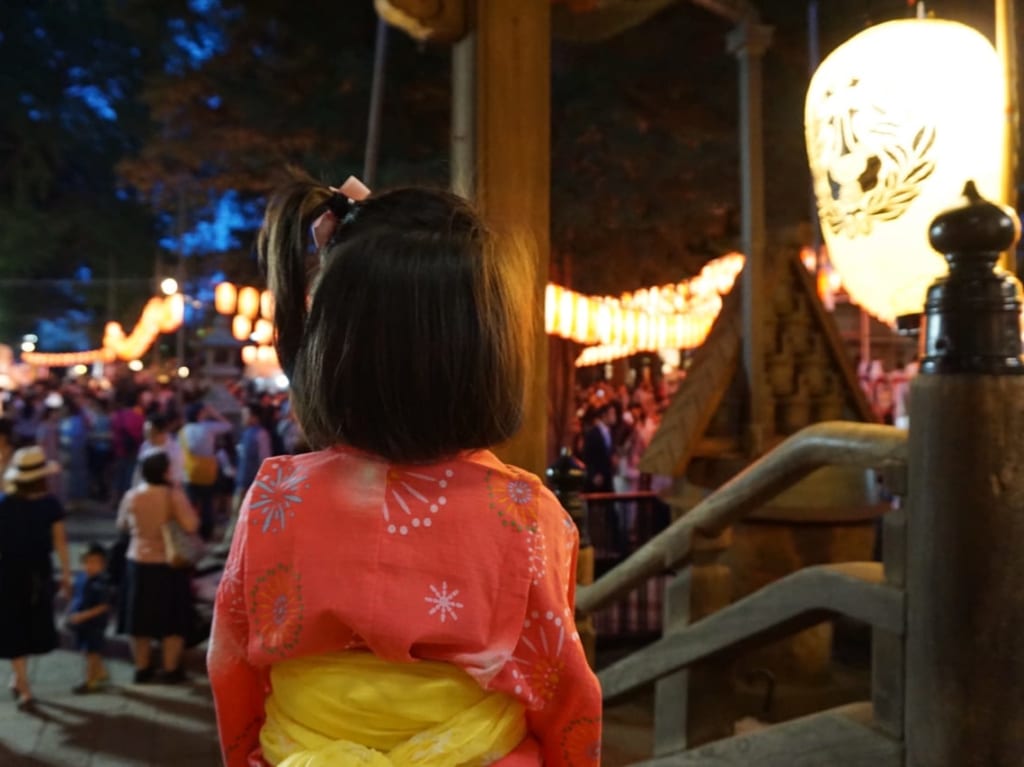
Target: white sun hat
x,y
29,464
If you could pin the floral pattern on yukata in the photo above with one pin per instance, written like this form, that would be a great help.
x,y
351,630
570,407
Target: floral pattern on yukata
x,y
276,609
514,498
570,544
245,736
344,529
275,494
538,658
581,742
413,498
232,593
537,559
444,603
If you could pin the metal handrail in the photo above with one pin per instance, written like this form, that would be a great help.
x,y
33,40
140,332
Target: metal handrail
x,y
832,443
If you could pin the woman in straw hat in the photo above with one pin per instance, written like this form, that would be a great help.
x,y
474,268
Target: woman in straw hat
x,y
31,528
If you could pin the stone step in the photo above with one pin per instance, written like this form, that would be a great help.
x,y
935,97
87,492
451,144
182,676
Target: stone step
x,y
840,737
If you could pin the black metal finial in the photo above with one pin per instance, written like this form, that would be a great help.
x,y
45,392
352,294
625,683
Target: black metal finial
x,y
565,478
978,227
972,316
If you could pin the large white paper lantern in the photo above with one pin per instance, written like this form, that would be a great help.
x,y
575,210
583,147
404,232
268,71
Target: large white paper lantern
x,y
897,119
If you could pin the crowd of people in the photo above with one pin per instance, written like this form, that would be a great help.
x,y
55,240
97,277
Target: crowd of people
x,y
888,391
614,427
143,453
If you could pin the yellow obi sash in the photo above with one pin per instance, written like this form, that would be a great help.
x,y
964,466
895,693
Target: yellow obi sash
x,y
353,708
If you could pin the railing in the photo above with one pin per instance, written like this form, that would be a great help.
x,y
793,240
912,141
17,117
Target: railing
x,y
618,524
867,592
833,443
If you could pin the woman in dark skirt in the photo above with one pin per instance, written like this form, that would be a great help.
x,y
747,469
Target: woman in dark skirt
x,y
158,598
31,529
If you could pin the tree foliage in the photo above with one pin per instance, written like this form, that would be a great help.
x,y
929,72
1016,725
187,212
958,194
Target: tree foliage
x,y
128,122
645,156
260,85
68,78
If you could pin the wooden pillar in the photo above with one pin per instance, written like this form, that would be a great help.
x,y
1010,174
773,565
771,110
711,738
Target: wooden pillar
x,y
965,582
1006,45
463,135
748,42
513,168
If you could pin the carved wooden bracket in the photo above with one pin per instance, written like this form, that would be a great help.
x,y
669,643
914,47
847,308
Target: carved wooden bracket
x,y
435,21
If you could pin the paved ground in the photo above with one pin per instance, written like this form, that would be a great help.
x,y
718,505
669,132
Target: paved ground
x,y
167,726
140,725
127,725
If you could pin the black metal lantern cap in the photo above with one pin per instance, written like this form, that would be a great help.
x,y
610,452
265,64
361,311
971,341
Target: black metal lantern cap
x,y
972,316
565,478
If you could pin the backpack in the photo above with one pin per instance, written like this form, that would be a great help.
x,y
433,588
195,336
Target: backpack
x,y
199,469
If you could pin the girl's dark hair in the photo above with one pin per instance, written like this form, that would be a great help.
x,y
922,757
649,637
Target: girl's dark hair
x,y
415,342
154,468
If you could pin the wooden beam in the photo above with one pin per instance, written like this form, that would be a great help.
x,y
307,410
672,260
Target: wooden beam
x,y
513,170
700,394
436,21
733,10
840,357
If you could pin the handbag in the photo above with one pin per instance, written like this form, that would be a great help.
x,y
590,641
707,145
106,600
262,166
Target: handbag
x,y
118,557
182,549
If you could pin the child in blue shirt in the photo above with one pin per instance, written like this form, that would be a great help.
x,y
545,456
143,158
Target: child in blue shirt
x,y
88,614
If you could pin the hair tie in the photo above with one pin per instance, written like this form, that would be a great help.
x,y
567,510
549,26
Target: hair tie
x,y
338,209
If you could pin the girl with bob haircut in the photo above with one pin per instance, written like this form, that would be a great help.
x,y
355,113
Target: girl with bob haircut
x,y
399,596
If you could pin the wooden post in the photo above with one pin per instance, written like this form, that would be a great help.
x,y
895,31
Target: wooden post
x,y
965,706
888,656
513,165
965,583
696,705
1006,45
748,42
463,138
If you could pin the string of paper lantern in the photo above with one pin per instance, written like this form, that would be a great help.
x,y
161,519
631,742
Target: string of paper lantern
x,y
674,316
251,312
260,355
161,314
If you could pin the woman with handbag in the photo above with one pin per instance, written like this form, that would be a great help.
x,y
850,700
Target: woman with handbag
x,y
158,595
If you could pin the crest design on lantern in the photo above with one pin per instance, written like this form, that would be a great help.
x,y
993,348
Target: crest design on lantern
x,y
869,164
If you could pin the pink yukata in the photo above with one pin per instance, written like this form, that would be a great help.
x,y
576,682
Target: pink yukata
x,y
469,562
